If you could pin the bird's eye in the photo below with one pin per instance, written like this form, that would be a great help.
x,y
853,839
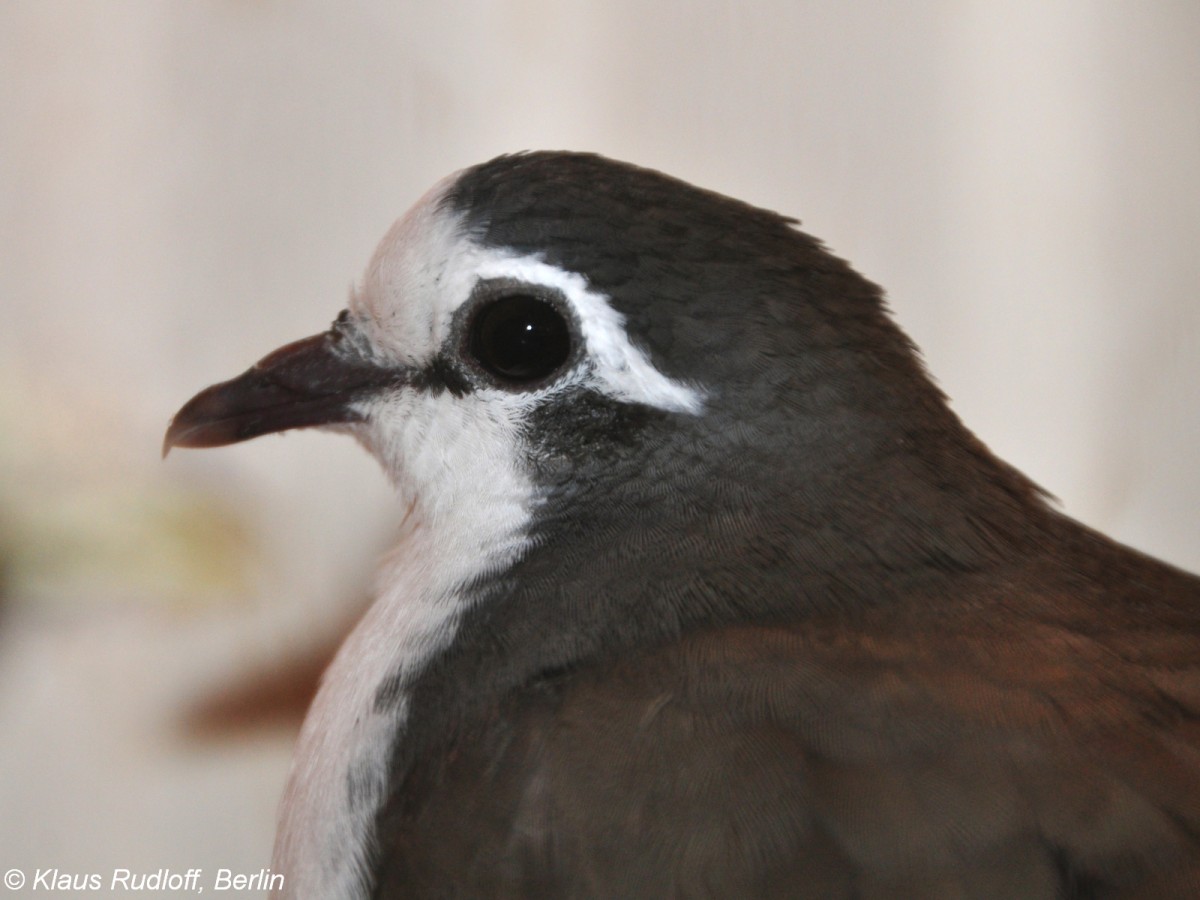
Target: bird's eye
x,y
519,338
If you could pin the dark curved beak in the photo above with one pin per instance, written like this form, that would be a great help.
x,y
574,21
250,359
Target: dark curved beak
x,y
307,383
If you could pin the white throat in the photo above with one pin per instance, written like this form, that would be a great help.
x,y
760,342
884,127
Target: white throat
x,y
340,772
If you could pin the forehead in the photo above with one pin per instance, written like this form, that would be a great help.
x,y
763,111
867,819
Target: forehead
x,y
547,218
427,267
407,295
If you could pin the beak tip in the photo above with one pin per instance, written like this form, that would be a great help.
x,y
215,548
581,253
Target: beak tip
x,y
177,434
303,385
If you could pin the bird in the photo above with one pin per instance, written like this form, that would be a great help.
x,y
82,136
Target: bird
x,y
701,588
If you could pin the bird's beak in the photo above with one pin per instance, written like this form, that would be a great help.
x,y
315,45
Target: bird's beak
x,y
310,382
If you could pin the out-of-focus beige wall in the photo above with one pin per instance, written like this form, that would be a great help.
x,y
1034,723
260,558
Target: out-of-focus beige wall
x,y
185,186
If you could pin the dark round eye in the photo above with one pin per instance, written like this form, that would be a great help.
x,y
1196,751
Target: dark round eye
x,y
519,338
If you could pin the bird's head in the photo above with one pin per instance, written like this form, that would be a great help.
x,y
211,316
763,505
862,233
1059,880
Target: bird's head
x,y
454,360
561,331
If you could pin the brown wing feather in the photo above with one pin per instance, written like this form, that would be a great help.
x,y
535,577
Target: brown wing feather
x,y
851,759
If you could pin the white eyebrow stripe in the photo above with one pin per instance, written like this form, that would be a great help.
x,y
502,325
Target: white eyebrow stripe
x,y
621,369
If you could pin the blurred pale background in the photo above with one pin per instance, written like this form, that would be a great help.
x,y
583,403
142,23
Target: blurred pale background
x,y
185,186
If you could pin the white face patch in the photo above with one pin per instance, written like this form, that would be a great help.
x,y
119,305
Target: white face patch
x,y
458,464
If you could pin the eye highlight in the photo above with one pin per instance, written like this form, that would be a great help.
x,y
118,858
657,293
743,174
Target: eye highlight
x,y
519,338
